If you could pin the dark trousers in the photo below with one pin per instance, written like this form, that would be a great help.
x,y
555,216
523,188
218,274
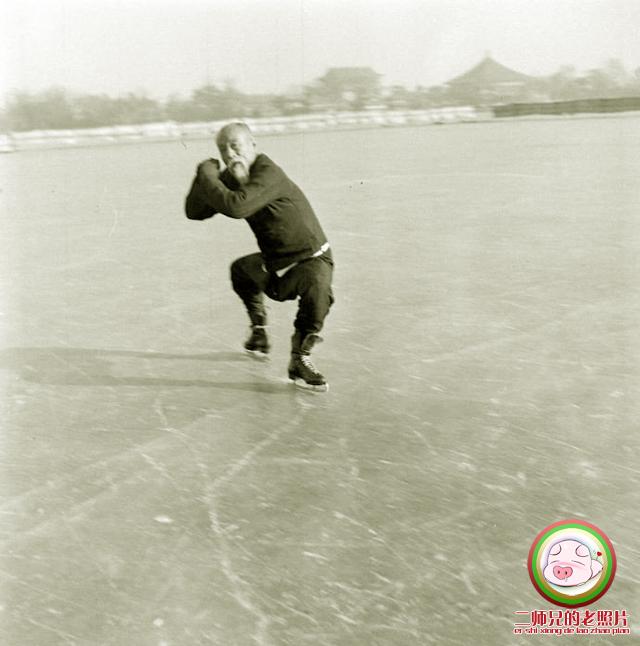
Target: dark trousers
x,y
309,280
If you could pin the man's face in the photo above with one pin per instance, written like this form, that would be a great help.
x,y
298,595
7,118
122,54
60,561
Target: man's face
x,y
238,151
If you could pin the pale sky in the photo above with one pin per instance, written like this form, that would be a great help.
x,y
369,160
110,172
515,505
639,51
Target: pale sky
x,y
173,46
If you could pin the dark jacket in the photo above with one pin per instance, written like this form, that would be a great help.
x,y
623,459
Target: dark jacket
x,y
280,216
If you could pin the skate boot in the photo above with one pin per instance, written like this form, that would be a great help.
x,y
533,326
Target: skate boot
x,y
301,370
258,344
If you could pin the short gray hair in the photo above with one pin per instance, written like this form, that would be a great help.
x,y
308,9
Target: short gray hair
x,y
234,125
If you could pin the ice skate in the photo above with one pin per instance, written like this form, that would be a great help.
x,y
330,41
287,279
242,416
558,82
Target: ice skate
x,y
257,345
301,370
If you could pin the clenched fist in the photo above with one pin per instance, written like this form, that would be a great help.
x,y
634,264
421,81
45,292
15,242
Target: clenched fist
x,y
208,169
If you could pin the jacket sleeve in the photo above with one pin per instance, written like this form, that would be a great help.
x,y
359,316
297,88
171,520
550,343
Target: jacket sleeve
x,y
196,206
264,186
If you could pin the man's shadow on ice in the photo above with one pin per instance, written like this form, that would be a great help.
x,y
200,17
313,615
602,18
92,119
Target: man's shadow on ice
x,y
63,366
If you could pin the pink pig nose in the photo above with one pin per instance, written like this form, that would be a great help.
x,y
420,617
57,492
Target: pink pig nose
x,y
562,573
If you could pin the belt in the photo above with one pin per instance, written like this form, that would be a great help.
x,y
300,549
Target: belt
x,y
281,272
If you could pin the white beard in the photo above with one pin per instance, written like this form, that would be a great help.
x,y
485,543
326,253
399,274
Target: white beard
x,y
239,172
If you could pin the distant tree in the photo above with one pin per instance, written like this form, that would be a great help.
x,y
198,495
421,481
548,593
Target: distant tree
x,y
596,83
633,86
293,102
210,102
420,98
51,109
537,89
56,109
207,102
563,85
398,97
434,96
612,80
94,110
616,72
178,109
136,108
234,101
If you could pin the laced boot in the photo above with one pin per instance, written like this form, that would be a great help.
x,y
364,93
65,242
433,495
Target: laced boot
x,y
301,370
258,343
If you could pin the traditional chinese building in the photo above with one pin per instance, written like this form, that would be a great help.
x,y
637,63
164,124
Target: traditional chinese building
x,y
489,82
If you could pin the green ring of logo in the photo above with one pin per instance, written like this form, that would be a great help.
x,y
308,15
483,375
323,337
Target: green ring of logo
x,y
543,587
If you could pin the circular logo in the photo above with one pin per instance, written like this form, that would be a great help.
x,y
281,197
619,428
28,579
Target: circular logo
x,y
571,563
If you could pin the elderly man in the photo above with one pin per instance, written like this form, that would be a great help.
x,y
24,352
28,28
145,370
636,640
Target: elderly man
x,y
294,260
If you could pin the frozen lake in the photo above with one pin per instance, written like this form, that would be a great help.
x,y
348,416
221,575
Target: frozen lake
x,y
159,488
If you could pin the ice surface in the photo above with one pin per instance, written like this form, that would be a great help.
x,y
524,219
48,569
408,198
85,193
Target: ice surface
x,y
159,487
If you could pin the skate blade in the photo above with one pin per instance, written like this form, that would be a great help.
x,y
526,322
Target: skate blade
x,y
257,355
313,388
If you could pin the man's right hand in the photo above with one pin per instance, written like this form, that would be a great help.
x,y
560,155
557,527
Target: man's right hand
x,y
208,169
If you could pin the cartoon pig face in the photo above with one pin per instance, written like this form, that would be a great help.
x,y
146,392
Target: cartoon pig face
x,y
570,563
